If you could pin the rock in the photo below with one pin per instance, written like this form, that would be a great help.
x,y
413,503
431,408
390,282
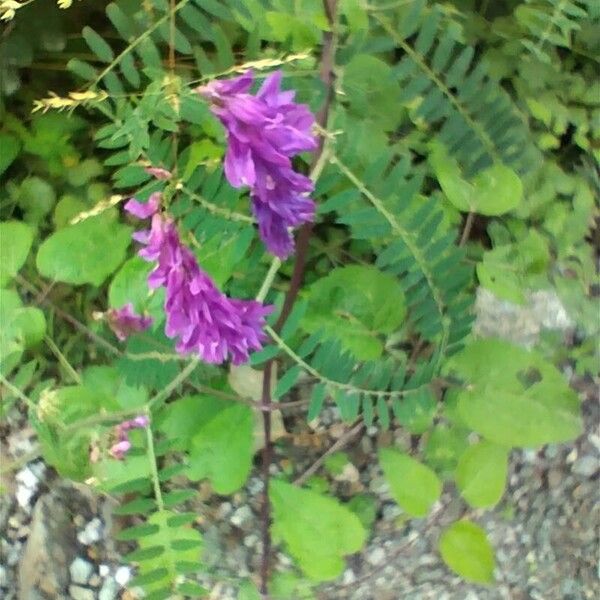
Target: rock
x,y
122,576
349,577
80,570
80,593
109,590
349,474
378,485
94,580
3,577
242,517
92,532
103,570
376,556
28,480
255,486
224,509
51,546
586,466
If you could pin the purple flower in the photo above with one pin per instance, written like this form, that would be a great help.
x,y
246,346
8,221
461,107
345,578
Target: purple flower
x,y
124,321
120,448
264,132
204,320
143,210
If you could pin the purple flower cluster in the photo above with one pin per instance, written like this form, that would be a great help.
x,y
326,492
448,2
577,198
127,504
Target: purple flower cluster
x,y
124,321
204,320
120,448
264,132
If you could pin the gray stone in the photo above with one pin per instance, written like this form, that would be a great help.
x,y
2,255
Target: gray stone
x,y
586,466
80,593
3,577
109,590
349,577
123,575
80,570
242,517
51,546
92,532
376,556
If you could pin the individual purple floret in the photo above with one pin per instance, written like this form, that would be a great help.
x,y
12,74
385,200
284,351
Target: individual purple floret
x,y
264,132
143,210
124,321
204,320
120,448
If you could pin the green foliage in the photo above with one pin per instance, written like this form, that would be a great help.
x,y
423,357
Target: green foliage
x,y
494,191
317,530
413,485
466,550
218,436
87,252
481,474
356,305
16,239
514,397
22,327
462,140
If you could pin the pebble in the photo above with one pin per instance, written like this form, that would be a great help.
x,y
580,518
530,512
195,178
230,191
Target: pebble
x,y
80,570
3,577
80,593
378,485
92,532
586,466
109,590
376,556
104,570
224,509
94,580
241,517
122,576
349,577
255,486
250,540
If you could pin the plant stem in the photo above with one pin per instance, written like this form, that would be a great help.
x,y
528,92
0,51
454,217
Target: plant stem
x,y
328,77
467,229
270,276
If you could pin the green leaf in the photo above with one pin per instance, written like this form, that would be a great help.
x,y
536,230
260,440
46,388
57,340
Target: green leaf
x,y
36,197
15,242
317,398
494,191
317,530
9,150
97,45
87,252
444,447
222,449
130,284
22,327
466,550
371,88
498,190
416,411
514,397
356,305
481,474
414,486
